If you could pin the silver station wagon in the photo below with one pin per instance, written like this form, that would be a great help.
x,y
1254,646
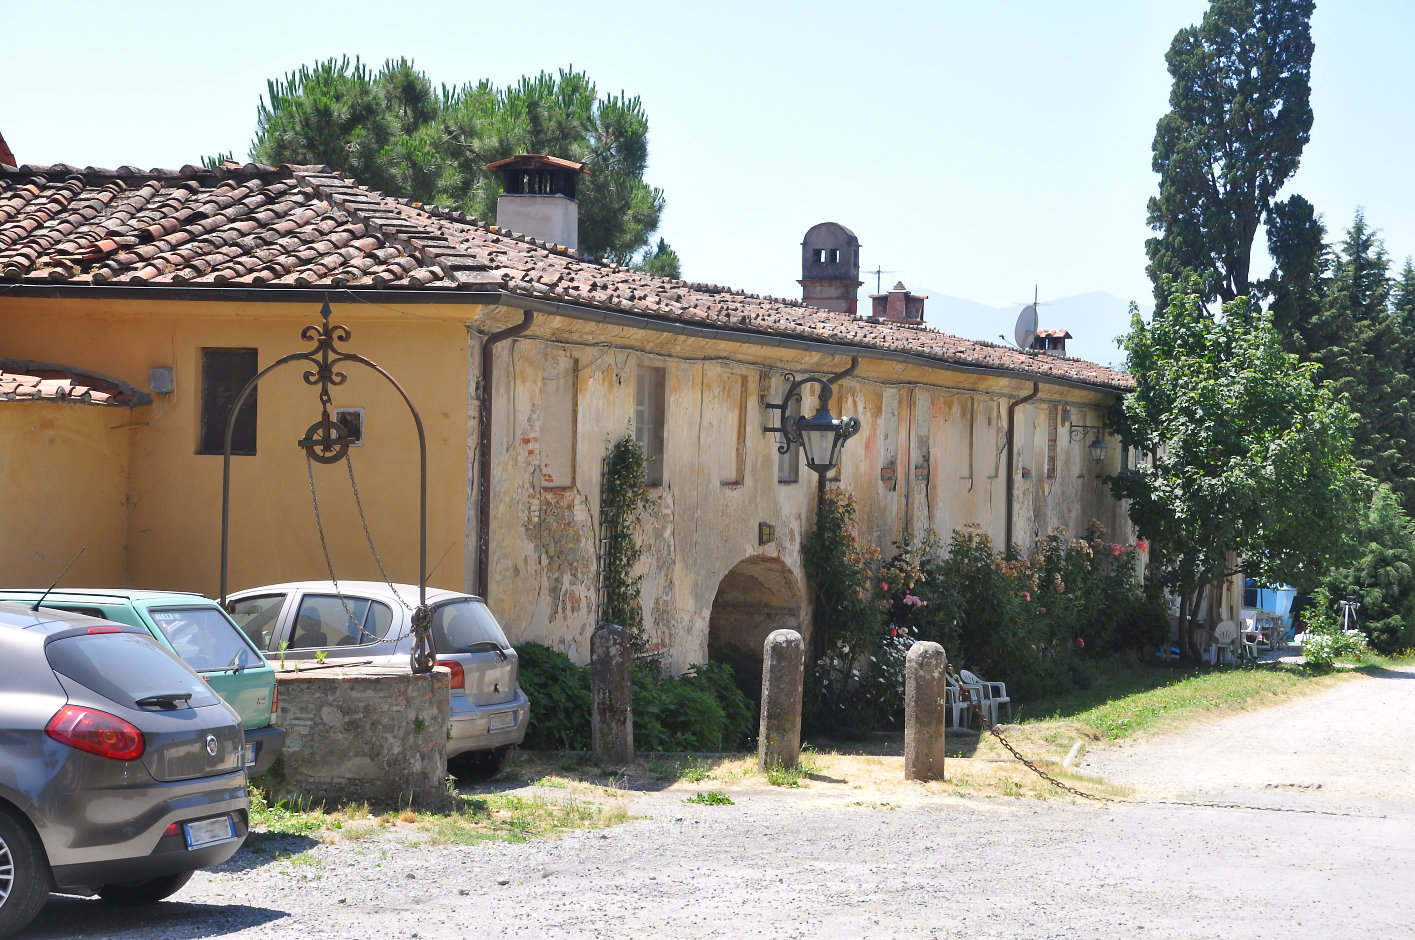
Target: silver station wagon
x,y
369,621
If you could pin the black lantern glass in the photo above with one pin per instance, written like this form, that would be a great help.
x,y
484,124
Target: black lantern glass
x,y
822,435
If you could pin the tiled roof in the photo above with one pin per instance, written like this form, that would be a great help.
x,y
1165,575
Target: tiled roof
x,y
308,227
522,160
32,381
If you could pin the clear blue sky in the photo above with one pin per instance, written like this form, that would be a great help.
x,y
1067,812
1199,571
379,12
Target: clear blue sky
x,y
976,148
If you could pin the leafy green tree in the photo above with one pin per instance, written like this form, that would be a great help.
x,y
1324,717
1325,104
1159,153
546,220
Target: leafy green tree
x,y
1239,117
395,131
1247,457
1382,575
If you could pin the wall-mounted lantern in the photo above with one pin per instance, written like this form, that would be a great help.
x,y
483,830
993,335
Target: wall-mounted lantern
x,y
820,436
1097,446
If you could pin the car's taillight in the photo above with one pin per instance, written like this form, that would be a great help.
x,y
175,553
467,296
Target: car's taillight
x,y
105,629
274,699
459,678
89,729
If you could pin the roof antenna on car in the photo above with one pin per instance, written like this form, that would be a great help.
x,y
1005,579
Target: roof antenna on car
x,y
60,578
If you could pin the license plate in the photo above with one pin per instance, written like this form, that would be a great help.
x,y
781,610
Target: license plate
x,y
501,721
209,832
250,755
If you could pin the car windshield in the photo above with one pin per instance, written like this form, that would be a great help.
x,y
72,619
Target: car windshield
x,y
126,668
205,638
465,626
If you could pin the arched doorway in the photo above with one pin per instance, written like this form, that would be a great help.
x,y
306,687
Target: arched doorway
x,y
759,595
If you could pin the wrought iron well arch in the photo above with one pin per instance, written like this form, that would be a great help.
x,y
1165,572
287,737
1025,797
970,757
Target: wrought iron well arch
x,y
327,442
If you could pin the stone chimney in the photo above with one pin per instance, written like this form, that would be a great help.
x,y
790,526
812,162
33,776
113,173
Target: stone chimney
x,y
830,268
900,305
538,197
1051,342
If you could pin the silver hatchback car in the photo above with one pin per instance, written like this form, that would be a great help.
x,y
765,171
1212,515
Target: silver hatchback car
x,y
370,621
121,773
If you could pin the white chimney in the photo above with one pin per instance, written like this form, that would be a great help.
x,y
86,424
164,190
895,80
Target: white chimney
x,y
538,197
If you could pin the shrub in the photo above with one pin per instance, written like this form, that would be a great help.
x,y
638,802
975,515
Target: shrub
x,y
701,710
1382,574
559,692
1037,623
1326,642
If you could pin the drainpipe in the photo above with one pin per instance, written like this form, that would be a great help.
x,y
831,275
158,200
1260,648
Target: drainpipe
x,y
1011,445
484,451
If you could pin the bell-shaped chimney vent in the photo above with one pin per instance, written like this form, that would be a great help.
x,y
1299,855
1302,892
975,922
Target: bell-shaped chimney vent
x,y
830,267
538,197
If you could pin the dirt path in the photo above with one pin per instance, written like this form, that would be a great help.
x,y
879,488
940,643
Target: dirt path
x,y
848,862
1351,741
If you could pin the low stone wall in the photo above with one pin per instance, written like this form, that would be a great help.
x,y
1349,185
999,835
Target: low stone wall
x,y
361,733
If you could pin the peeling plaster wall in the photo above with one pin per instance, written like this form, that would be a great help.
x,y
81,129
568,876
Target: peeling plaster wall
x,y
720,472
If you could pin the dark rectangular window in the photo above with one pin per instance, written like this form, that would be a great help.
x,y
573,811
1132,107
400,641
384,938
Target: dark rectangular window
x,y
224,372
650,409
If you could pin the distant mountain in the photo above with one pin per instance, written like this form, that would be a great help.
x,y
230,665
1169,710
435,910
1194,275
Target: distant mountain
x,y
1094,320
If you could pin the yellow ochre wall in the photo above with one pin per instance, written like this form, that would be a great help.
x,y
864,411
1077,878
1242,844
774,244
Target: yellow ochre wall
x,y
63,482
173,517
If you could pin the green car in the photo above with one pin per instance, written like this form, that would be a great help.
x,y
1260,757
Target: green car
x,y
198,630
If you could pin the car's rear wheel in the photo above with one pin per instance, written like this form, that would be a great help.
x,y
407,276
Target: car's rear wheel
x,y
479,765
149,891
24,880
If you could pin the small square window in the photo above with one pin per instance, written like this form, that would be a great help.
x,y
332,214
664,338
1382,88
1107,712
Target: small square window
x,y
352,421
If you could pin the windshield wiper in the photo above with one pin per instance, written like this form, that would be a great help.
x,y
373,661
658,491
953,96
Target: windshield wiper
x,y
166,700
482,644
235,664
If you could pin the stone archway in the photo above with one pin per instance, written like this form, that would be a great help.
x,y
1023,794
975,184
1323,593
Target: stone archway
x,y
760,594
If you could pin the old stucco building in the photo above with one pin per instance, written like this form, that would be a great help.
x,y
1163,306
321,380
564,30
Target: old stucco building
x,y
173,288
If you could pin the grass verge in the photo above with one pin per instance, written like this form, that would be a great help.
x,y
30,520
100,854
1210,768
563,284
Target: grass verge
x,y
466,819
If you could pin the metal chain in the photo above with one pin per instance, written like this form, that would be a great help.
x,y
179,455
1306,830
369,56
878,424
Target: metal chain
x,y
328,563
983,718
968,696
368,536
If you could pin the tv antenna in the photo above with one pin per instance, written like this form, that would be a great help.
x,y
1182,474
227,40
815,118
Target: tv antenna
x,y
879,273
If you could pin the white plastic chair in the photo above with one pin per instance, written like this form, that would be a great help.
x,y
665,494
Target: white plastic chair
x,y
958,703
994,694
1224,640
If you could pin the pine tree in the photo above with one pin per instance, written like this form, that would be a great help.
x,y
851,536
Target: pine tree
x,y
395,131
1363,357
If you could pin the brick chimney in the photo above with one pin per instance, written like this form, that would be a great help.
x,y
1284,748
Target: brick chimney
x,y
900,305
1051,342
538,197
6,157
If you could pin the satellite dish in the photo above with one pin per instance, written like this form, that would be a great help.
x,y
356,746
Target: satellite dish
x,y
1026,329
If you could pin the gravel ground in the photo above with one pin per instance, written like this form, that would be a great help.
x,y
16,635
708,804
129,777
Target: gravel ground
x,y
1323,846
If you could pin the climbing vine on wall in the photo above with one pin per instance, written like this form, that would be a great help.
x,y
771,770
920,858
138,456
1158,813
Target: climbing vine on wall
x,y
623,501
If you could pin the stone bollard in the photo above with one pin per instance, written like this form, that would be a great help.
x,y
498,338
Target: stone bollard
x,y
925,711
612,708
783,664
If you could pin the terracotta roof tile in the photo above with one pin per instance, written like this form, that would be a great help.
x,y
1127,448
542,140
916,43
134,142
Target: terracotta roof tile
x,y
307,227
37,381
